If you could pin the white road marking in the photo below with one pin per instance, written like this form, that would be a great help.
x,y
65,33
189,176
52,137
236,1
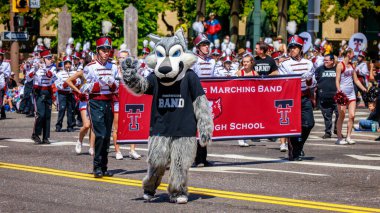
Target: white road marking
x,y
230,169
364,157
3,146
276,160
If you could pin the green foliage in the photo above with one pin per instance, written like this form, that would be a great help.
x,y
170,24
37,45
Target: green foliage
x,y
342,9
298,11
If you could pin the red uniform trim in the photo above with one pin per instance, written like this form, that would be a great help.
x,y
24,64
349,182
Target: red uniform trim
x,y
96,88
42,87
101,97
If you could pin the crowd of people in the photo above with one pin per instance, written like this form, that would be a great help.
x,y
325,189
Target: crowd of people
x,y
83,85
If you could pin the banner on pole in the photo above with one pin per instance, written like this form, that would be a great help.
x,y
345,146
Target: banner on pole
x,y
241,108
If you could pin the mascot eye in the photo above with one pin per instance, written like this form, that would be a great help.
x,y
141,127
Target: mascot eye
x,y
159,54
177,53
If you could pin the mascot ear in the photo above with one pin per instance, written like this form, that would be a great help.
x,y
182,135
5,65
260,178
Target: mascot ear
x,y
154,38
181,38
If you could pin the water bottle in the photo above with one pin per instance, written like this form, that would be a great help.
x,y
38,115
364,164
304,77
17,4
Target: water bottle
x,y
374,126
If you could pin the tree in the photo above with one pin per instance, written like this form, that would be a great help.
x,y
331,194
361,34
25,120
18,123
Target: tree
x,y
342,9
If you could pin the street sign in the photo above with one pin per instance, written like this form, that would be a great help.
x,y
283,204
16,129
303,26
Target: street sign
x,y
34,4
15,36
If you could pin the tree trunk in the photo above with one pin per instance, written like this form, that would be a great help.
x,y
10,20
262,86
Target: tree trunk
x,y
234,21
282,19
201,8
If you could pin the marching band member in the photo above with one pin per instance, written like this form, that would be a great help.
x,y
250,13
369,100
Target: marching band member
x,y
296,64
5,74
204,67
66,100
100,84
43,75
226,70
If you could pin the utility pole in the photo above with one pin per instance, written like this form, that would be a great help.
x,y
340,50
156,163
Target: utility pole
x,y
257,22
15,48
313,10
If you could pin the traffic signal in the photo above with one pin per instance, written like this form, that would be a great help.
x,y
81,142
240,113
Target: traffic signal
x,y
20,6
21,3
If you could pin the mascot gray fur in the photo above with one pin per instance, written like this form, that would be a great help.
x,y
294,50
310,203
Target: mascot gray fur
x,y
179,109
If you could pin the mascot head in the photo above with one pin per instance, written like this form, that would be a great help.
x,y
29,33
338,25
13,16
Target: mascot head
x,y
170,58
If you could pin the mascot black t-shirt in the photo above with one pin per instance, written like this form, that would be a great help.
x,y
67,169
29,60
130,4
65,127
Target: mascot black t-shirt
x,y
172,107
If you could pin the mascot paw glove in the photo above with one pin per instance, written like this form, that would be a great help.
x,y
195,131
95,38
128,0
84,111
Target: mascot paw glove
x,y
129,66
204,139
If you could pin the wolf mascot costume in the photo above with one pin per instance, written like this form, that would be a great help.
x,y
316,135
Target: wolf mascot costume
x,y
179,108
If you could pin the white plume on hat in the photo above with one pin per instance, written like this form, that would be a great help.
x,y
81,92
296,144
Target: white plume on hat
x,y
145,43
378,46
88,45
39,41
291,27
317,42
268,40
69,51
106,27
152,44
77,46
47,42
71,40
231,46
84,46
344,42
276,45
217,43
1,43
124,48
248,44
198,27
228,52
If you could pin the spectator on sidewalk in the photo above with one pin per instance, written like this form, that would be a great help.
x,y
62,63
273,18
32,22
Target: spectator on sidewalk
x,y
212,28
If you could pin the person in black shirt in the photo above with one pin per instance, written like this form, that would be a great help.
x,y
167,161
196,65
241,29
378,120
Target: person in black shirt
x,y
264,64
326,89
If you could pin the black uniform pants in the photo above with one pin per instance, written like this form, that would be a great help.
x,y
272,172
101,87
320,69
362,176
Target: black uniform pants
x,y
66,102
26,104
43,102
101,117
2,108
201,154
328,108
307,118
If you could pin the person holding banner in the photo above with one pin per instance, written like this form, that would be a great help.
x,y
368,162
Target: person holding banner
x,y
296,64
345,79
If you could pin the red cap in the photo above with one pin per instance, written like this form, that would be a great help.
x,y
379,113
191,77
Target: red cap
x,y
201,38
77,55
67,59
146,50
248,50
104,41
270,48
45,53
41,48
227,59
295,41
216,51
362,53
2,51
276,55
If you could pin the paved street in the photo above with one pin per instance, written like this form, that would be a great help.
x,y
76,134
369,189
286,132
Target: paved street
x,y
52,178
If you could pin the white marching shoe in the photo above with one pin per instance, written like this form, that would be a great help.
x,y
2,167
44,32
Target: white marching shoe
x,y
134,155
78,147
